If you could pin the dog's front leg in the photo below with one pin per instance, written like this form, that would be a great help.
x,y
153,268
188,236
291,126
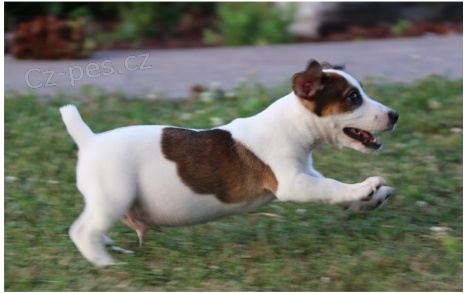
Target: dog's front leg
x,y
306,188
378,199
310,169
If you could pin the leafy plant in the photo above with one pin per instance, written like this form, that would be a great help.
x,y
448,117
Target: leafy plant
x,y
400,27
136,21
256,23
142,20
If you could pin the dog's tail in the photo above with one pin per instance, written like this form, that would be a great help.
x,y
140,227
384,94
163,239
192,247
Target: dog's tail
x,y
76,127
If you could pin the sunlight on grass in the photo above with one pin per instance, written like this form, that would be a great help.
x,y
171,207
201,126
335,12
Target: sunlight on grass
x,y
281,247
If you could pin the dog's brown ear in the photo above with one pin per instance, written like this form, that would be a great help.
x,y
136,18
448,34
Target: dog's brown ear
x,y
327,65
305,84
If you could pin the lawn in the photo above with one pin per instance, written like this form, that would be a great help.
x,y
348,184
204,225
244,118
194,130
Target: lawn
x,y
414,243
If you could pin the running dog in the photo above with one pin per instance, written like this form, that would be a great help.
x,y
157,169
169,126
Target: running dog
x,y
154,175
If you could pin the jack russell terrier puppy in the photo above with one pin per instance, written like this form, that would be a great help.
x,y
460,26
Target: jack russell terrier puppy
x,y
153,175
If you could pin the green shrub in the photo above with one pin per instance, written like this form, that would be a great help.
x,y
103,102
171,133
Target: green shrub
x,y
251,24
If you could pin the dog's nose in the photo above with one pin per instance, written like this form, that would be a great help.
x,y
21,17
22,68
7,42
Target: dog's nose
x,y
393,115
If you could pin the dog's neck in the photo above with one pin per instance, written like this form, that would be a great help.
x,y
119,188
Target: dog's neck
x,y
302,126
285,120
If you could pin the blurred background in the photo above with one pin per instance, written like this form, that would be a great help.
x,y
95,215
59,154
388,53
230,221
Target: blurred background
x,y
142,25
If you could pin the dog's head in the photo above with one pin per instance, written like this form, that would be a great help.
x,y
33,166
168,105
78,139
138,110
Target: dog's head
x,y
339,100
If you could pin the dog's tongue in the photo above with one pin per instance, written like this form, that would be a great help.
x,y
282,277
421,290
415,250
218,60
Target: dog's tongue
x,y
368,139
364,134
365,137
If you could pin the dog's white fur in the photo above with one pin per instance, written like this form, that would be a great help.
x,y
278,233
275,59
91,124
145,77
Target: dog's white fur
x,y
116,166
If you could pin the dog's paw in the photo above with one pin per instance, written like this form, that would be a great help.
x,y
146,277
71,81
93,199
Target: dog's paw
x,y
110,264
109,242
364,191
121,250
378,199
374,184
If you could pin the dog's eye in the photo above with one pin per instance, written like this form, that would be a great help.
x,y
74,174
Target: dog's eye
x,y
355,98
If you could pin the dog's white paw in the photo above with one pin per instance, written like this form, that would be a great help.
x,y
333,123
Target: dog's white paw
x,y
378,199
103,261
121,250
110,264
365,190
374,183
109,242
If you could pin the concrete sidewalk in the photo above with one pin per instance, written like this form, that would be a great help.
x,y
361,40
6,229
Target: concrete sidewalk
x,y
171,73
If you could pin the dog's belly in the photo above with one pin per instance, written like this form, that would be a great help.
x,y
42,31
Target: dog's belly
x,y
169,202
190,209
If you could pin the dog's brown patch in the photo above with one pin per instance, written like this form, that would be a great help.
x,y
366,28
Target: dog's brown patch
x,y
212,162
323,93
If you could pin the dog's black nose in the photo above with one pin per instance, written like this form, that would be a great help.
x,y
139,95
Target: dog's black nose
x,y
393,115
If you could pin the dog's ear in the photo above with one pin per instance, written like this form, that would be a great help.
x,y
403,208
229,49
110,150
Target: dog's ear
x,y
305,84
327,65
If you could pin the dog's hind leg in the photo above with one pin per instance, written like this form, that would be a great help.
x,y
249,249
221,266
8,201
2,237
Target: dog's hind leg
x,y
110,243
87,234
89,230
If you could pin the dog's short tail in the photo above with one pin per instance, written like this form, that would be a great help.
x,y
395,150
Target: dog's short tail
x,y
76,127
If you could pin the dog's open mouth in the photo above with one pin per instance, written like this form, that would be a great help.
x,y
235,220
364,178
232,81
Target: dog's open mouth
x,y
365,137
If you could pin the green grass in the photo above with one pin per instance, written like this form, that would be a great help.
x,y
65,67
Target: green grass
x,y
303,247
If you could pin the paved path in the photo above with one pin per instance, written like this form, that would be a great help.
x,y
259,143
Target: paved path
x,y
173,72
